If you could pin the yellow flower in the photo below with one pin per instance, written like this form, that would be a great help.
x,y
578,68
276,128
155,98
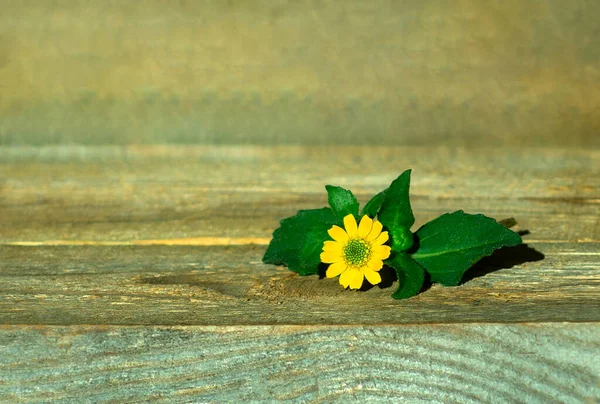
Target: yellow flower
x,y
357,252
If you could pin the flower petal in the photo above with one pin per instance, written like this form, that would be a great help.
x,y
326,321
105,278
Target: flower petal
x,y
345,278
332,246
335,269
382,238
374,264
338,234
356,279
381,252
350,225
375,231
373,277
329,257
364,228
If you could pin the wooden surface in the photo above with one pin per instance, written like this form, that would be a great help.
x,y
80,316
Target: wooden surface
x,y
494,73
148,150
134,273
229,286
528,363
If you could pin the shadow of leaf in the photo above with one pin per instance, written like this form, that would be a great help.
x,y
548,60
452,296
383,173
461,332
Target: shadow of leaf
x,y
503,258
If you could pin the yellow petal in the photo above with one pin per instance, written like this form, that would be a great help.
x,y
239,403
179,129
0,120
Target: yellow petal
x,y
338,234
381,252
373,277
332,246
329,257
350,225
382,238
345,278
335,269
374,264
364,228
356,279
375,231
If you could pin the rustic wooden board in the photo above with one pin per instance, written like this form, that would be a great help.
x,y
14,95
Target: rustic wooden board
x,y
387,72
173,235
175,285
461,363
157,192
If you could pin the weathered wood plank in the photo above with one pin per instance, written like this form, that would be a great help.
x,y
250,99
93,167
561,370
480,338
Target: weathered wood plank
x,y
458,363
175,285
106,201
386,72
108,193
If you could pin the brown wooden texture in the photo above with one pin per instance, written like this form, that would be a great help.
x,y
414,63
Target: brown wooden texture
x,y
173,192
230,286
174,235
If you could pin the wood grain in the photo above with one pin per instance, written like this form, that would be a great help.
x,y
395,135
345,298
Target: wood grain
x,y
460,363
158,192
393,73
174,235
172,285
101,245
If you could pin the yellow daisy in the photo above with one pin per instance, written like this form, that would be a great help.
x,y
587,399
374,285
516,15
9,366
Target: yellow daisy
x,y
357,252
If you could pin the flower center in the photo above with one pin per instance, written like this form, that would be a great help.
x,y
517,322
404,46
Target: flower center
x,y
357,252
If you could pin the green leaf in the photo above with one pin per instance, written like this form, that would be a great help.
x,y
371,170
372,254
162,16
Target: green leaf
x,y
310,250
342,201
395,210
411,276
372,207
402,239
294,242
452,243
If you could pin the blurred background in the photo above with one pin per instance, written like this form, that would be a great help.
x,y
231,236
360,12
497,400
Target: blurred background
x,y
412,72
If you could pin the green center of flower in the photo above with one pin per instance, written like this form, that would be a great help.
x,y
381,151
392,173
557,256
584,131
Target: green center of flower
x,y
357,252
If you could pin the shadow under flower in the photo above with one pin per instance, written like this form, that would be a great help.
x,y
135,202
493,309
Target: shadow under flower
x,y
388,278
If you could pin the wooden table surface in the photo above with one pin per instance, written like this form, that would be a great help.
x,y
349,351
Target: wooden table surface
x,y
149,149
135,272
